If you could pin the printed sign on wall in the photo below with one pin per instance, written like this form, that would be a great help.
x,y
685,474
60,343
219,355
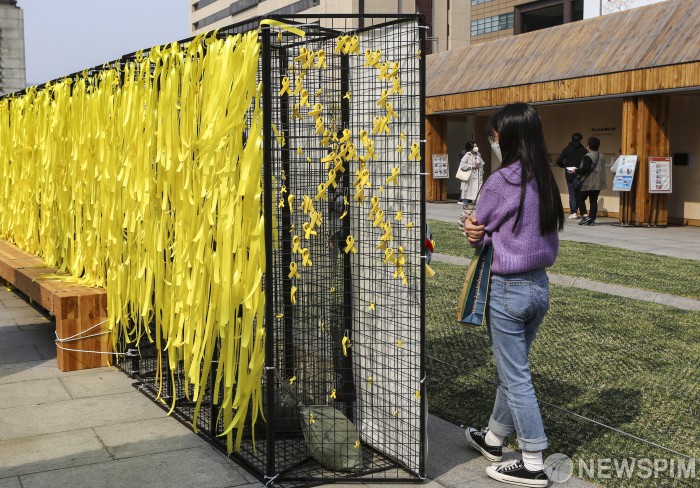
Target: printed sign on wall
x,y
660,175
440,166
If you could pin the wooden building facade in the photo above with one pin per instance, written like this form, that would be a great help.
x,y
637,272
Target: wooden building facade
x,y
636,73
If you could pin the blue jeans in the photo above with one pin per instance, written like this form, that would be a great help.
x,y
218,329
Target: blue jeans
x,y
518,304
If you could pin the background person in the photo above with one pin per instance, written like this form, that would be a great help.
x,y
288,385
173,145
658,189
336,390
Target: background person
x,y
472,162
571,156
520,214
592,170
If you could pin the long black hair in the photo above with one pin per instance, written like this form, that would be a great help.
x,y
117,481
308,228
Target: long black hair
x,y
521,139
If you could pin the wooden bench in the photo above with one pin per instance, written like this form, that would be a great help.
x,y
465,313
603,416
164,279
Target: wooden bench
x,y
76,308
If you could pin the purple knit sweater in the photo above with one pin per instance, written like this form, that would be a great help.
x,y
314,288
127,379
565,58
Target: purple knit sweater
x,y
522,249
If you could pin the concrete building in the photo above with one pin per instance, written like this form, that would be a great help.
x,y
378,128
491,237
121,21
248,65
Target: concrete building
x,y
453,23
12,69
493,19
448,18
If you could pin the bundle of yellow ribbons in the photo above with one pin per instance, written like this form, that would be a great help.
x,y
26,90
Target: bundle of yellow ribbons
x,y
140,179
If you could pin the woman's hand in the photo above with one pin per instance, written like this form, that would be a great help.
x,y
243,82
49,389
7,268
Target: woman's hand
x,y
475,232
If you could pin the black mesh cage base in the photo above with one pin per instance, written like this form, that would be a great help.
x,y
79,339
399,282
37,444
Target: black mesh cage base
x,y
343,387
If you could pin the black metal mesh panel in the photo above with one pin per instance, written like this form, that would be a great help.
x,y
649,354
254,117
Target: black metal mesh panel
x,y
363,297
346,332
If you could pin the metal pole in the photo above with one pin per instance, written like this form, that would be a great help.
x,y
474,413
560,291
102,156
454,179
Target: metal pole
x,y
266,62
423,391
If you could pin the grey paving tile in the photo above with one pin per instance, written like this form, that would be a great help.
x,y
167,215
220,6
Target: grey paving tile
x,y
28,455
35,320
32,393
17,337
36,370
50,324
10,482
76,414
97,382
189,467
18,354
145,437
46,351
10,300
21,313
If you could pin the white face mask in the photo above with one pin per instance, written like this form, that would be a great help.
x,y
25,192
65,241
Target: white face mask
x,y
475,149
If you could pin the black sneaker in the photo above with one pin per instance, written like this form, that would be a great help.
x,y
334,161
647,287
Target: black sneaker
x,y
477,439
584,221
514,473
590,221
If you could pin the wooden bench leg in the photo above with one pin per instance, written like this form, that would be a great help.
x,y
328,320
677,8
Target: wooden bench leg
x,y
76,312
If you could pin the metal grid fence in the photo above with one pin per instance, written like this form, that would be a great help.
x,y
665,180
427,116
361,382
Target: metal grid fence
x,y
344,206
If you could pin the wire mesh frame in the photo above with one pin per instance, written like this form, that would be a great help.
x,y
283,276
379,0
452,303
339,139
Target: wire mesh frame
x,y
333,297
399,453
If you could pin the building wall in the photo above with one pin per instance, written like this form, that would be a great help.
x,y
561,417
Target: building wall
x,y
12,67
684,202
450,17
602,119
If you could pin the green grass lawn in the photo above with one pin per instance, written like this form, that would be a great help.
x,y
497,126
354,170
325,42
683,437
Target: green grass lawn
x,y
631,365
646,271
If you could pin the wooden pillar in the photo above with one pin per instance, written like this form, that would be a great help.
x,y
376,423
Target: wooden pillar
x,y
435,131
644,133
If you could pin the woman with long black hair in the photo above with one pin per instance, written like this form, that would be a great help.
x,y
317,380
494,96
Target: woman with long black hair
x,y
520,214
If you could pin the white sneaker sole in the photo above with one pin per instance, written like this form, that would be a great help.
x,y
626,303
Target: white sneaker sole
x,y
476,446
511,480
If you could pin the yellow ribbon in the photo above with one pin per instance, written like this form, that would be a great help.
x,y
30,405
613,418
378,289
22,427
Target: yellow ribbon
x,y
395,171
350,241
399,215
321,58
293,295
319,125
305,257
382,100
285,87
379,218
296,241
333,394
282,25
290,201
293,272
316,111
399,344
415,152
321,195
396,86
309,230
304,102
346,345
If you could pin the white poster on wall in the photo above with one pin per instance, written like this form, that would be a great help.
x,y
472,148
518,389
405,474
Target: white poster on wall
x,y
440,166
660,175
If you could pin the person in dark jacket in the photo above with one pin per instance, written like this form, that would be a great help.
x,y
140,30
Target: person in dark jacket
x,y
593,174
571,156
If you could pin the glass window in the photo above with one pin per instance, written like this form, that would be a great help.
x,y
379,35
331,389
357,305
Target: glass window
x,y
492,24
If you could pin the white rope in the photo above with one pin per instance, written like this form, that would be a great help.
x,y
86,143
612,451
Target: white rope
x,y
77,336
128,353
